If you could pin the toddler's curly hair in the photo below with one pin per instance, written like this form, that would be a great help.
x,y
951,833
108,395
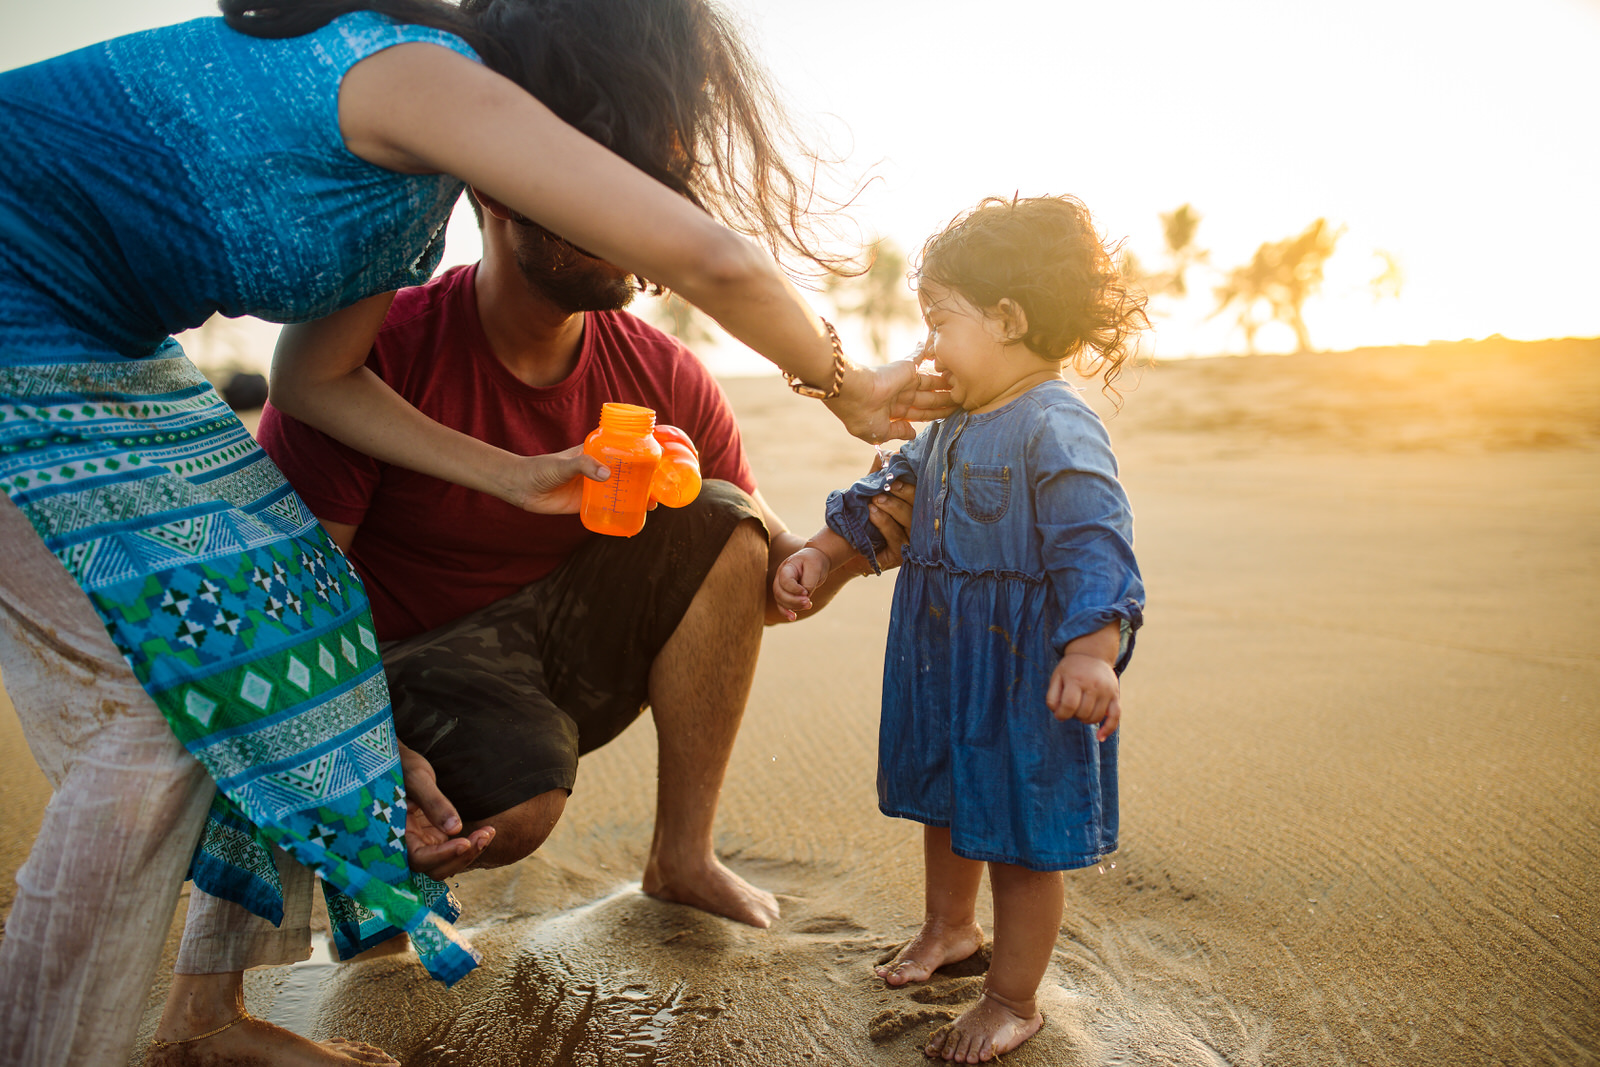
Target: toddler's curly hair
x,y
1043,253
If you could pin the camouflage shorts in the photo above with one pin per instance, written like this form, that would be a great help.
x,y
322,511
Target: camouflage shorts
x,y
503,701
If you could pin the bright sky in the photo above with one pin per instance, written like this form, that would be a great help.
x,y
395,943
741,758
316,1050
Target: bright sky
x,y
1460,138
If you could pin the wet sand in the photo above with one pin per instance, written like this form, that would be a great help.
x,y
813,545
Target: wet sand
x,y
1361,818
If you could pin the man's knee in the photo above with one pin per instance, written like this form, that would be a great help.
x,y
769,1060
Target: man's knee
x,y
520,831
746,550
721,503
740,568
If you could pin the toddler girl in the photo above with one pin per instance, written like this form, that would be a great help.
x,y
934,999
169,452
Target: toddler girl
x,y
1015,610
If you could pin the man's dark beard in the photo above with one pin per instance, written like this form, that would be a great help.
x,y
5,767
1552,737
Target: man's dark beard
x,y
566,277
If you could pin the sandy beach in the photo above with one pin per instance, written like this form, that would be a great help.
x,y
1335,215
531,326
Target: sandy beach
x,y
1360,769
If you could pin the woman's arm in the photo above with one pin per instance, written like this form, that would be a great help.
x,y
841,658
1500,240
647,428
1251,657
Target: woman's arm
x,y
319,376
422,108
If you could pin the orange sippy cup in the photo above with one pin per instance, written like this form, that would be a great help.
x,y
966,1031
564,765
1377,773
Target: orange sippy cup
x,y
648,462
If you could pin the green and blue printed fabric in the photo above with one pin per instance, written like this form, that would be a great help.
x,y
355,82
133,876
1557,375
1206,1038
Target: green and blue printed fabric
x,y
148,183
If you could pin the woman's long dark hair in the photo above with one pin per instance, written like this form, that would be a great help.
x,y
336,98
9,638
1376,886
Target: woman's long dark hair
x,y
666,84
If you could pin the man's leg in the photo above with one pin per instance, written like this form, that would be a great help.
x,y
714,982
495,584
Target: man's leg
x,y
502,702
699,684
471,698
520,830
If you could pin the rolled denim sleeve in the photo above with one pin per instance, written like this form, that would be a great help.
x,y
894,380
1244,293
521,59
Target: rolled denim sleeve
x,y
846,509
1087,528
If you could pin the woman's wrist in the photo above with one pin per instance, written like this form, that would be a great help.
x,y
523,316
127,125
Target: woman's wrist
x,y
830,384
854,406
856,566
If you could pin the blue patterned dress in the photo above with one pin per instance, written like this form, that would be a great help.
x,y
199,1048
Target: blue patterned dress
x,y
145,184
1021,541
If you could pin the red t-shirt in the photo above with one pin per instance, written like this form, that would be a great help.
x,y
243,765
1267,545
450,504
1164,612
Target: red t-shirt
x,y
429,551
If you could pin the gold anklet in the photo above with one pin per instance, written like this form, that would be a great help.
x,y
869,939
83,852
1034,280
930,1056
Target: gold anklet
x,y
156,1043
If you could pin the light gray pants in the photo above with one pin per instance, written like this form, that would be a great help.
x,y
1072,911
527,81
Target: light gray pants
x,y
96,895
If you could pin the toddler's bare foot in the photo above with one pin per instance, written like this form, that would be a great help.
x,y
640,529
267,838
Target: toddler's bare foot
x,y
935,945
257,1043
985,1031
708,885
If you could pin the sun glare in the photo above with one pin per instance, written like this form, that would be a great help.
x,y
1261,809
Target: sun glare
x,y
1456,141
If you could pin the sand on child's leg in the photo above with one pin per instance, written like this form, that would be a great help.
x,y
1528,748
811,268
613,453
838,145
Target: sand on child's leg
x,y
950,931
1027,920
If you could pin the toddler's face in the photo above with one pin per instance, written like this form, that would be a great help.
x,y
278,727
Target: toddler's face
x,y
970,347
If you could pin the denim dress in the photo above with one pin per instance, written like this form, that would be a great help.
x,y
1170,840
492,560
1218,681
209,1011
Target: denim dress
x,y
146,183
1021,540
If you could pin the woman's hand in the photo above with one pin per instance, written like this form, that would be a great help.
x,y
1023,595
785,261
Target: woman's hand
x,y
880,403
552,484
928,399
890,512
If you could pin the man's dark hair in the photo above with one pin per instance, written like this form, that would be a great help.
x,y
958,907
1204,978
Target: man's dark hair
x,y
666,84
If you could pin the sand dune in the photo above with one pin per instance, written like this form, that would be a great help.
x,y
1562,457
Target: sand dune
x,y
1361,823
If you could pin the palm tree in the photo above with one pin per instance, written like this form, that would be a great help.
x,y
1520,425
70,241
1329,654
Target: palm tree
x,y
879,297
1178,227
1281,276
1388,282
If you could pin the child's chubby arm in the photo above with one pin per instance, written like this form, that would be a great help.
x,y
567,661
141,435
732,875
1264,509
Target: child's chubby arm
x,y
1084,685
807,569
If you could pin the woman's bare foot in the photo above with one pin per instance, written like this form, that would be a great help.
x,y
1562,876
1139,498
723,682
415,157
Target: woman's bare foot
x,y
936,945
708,885
257,1043
205,1025
988,1029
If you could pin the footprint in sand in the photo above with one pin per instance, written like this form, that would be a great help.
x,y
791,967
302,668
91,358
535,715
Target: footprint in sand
x,y
827,924
892,1022
955,992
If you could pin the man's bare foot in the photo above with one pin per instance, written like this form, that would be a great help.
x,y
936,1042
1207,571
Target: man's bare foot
x,y
988,1029
257,1043
935,945
709,886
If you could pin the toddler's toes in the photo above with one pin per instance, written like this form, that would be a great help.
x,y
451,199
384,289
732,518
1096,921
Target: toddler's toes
x,y
904,972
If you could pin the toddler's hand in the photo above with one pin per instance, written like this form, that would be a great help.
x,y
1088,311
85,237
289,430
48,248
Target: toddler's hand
x,y
796,577
1085,688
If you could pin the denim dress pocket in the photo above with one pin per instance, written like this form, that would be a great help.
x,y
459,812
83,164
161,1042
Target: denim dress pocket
x,y
985,491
